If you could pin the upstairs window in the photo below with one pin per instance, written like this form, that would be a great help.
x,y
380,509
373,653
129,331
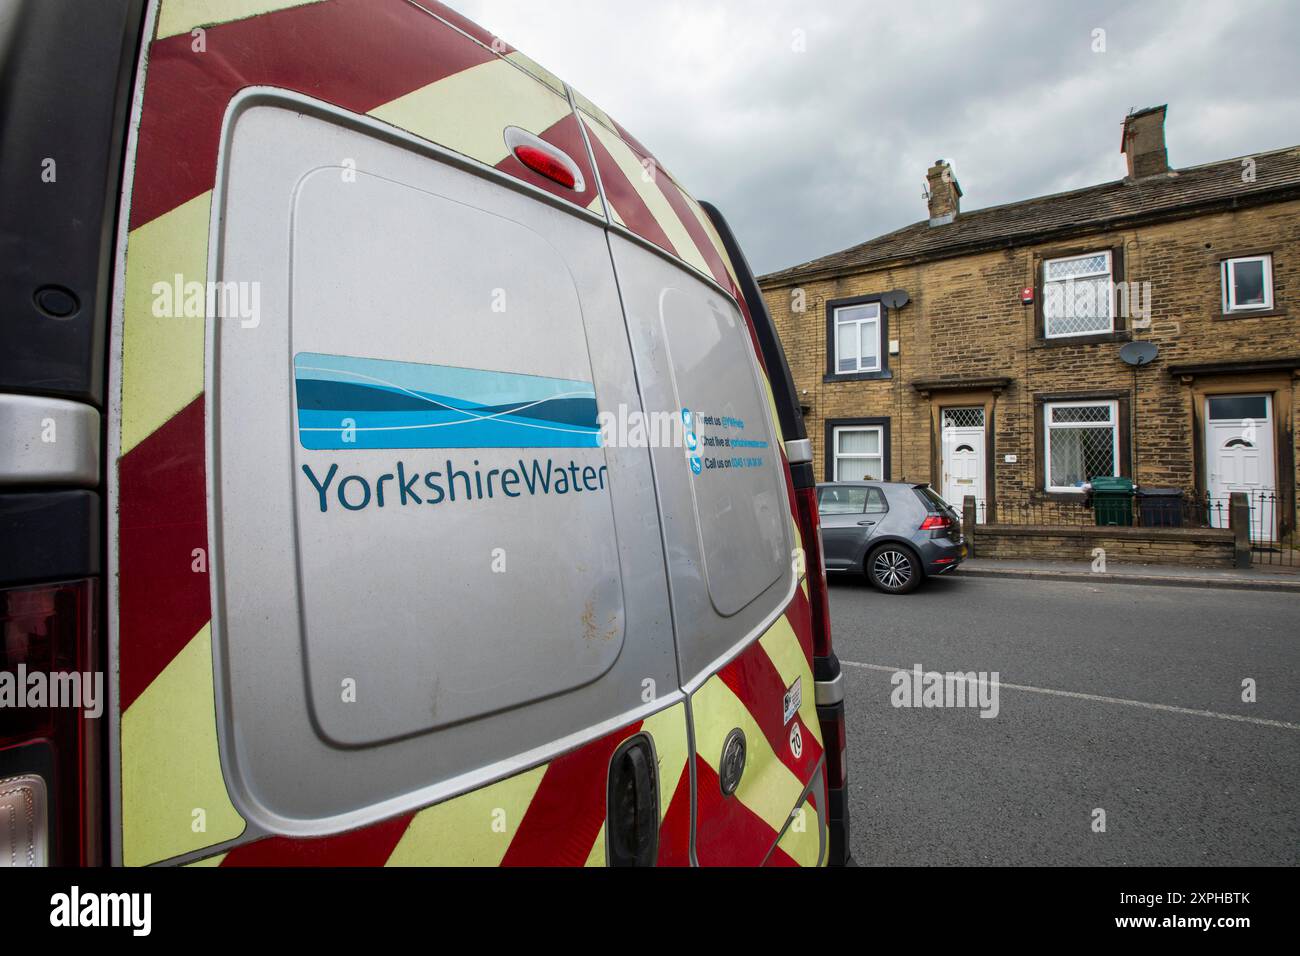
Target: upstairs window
x,y
1082,442
1248,284
857,338
1078,296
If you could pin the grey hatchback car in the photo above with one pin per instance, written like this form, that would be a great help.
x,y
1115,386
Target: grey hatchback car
x,y
896,532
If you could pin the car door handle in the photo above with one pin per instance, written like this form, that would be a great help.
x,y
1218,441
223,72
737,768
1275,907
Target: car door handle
x,y
866,522
632,806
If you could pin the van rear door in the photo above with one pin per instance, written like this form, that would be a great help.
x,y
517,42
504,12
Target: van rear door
x,y
383,596
735,564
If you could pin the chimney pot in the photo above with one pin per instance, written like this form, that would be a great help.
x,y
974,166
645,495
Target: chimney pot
x,y
945,193
1143,143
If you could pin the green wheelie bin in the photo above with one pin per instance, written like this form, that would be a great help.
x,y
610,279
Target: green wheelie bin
x,y
1112,500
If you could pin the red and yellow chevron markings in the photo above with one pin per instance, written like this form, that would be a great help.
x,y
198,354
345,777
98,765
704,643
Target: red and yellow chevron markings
x,y
747,693
552,815
802,842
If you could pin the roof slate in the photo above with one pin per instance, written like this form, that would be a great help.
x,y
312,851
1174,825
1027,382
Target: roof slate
x,y
1080,210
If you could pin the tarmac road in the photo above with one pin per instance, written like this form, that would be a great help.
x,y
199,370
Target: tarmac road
x,y
1115,697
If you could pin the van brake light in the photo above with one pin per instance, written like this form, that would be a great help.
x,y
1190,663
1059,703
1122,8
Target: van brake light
x,y
546,165
544,158
50,738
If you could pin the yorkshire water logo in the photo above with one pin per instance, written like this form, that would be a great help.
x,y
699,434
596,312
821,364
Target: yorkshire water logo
x,y
349,403
692,442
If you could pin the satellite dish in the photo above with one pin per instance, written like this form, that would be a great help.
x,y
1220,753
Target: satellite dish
x,y
1139,353
895,299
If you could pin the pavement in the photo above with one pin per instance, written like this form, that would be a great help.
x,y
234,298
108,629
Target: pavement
x,y
1123,699
1260,577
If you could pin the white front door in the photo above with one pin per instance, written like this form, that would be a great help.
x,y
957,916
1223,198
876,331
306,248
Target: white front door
x,y
963,457
1239,457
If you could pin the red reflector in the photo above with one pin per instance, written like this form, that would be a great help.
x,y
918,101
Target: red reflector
x,y
935,522
835,740
944,560
545,164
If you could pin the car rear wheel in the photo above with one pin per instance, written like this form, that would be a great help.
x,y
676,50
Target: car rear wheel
x,y
893,568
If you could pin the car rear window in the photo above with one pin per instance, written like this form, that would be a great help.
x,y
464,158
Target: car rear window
x,y
930,498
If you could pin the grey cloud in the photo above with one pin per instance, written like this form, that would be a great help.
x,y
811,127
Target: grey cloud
x,y
811,152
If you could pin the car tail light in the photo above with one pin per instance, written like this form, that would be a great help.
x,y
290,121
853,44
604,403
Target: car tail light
x,y
936,523
49,742
818,594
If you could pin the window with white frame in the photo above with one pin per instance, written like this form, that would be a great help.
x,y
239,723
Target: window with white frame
x,y
1081,441
859,453
1078,296
857,338
1248,284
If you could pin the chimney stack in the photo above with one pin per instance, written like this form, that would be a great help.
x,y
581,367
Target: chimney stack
x,y
945,193
1143,143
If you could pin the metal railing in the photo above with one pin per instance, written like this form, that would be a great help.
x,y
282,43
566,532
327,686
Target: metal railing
x,y
1204,512
1271,543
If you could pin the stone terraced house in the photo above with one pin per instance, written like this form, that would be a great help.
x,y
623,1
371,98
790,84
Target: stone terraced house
x,y
983,351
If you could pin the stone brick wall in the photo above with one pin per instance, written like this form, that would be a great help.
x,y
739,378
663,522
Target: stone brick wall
x,y
966,320
1205,547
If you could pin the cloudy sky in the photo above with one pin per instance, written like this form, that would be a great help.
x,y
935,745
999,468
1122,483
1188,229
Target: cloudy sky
x,y
811,124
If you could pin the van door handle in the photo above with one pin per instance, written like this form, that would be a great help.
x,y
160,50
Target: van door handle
x,y
866,522
632,828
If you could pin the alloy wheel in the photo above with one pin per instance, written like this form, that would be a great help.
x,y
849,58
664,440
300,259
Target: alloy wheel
x,y
892,568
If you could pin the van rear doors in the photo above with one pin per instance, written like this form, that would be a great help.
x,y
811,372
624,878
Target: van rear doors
x,y
735,559
383,595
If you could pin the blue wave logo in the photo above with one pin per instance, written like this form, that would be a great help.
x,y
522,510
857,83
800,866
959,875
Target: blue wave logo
x,y
346,402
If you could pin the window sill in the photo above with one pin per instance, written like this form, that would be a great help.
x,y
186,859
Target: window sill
x,y
1249,314
1041,497
858,376
1121,336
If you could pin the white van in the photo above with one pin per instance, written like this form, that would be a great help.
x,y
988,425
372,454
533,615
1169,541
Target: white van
x,y
429,487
